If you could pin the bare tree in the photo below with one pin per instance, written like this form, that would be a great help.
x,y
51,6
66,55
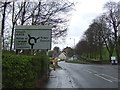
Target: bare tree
x,y
112,15
56,51
82,48
3,7
103,31
69,51
95,37
40,13
53,13
105,34
15,17
18,17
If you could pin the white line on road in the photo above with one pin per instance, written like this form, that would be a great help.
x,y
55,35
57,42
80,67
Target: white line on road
x,y
103,78
109,76
92,71
115,79
89,71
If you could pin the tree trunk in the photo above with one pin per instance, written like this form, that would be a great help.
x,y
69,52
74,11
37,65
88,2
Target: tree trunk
x,y
117,54
12,27
110,54
22,22
100,48
12,38
101,55
3,23
116,38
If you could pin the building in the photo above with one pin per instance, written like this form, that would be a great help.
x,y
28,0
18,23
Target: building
x,y
62,56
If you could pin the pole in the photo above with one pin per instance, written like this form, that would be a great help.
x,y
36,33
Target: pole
x,y
73,47
47,68
74,42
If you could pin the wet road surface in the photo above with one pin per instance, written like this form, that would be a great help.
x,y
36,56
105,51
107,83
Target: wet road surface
x,y
84,76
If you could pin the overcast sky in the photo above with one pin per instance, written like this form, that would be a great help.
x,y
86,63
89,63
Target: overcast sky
x,y
86,11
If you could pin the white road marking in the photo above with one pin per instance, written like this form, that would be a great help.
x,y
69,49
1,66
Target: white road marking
x,y
115,79
109,76
92,71
89,71
103,78
98,74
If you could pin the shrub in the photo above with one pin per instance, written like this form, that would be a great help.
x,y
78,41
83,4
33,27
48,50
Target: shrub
x,y
21,71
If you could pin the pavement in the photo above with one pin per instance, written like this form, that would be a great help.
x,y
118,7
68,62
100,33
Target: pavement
x,y
59,79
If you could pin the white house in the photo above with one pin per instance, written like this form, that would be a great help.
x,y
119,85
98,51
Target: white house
x,y
62,56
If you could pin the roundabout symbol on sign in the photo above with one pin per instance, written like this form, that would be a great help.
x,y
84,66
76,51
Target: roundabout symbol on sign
x,y
32,39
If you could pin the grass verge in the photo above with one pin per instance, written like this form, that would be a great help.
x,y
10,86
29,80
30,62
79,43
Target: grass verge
x,y
77,62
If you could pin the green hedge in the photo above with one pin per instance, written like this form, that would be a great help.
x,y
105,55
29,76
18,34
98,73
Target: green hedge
x,y
21,71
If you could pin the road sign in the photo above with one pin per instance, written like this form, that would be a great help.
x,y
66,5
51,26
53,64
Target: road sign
x,y
54,60
33,37
113,58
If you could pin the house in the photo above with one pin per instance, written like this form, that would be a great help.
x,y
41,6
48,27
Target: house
x,y
62,56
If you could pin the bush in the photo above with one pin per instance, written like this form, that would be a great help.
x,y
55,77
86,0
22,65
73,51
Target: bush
x,y
20,71
41,64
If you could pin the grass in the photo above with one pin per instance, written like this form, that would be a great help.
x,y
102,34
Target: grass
x,y
105,54
77,62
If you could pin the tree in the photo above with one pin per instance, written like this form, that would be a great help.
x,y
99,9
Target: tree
x,y
112,16
82,48
15,17
50,53
47,13
97,35
69,51
39,13
53,13
103,31
105,35
3,7
93,39
56,51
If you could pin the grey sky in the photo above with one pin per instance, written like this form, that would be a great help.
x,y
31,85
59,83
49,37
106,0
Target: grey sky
x,y
86,11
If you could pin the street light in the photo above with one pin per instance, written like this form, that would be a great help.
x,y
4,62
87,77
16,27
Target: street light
x,y
73,47
74,41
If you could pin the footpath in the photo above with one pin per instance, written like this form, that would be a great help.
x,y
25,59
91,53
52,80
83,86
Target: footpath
x,y
59,79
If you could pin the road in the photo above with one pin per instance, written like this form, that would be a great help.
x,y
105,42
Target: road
x,y
86,76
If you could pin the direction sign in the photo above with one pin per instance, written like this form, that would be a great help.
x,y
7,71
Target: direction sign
x,y
33,37
113,58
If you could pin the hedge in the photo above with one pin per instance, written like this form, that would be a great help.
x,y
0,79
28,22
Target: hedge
x,y
21,71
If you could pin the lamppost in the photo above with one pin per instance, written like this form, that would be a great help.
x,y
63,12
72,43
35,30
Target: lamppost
x,y
74,41
73,47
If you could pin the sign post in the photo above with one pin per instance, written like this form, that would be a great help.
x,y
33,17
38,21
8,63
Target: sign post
x,y
113,60
33,37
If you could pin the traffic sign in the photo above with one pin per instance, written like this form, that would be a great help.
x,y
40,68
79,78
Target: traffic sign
x,y
33,37
54,60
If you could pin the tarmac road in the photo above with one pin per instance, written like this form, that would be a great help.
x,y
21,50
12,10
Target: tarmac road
x,y
84,76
